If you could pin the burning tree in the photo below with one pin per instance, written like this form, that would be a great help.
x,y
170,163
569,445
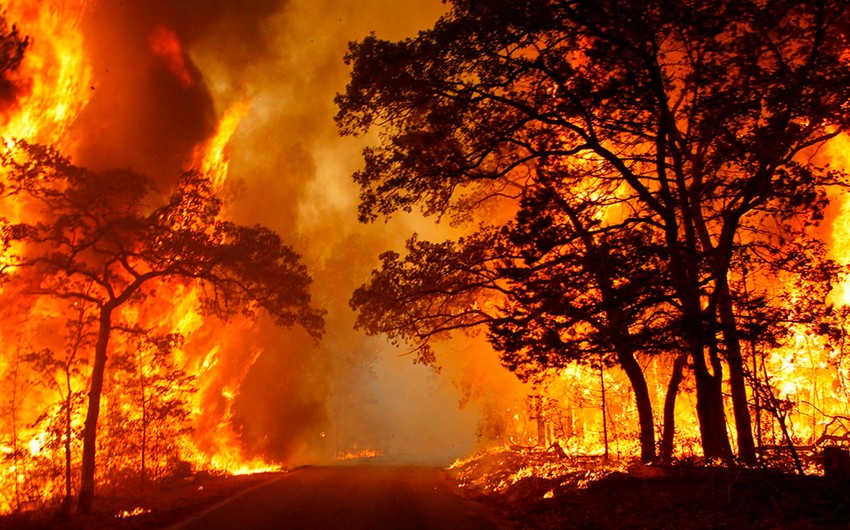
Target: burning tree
x,y
58,420
145,375
700,118
93,238
12,48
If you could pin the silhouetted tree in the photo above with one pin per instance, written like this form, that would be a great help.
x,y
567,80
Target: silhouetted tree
x,y
13,45
58,371
434,289
93,238
702,112
590,285
553,288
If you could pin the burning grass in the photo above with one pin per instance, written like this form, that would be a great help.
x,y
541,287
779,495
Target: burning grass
x,y
500,470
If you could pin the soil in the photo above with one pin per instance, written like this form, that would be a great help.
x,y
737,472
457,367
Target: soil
x,y
553,494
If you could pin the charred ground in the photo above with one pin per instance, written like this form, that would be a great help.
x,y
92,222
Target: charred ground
x,y
684,496
576,494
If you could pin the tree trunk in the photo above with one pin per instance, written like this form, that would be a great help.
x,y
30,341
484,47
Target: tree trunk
x,y
624,347
735,362
715,439
144,404
604,410
90,433
646,421
685,274
709,390
67,502
669,429
13,411
712,420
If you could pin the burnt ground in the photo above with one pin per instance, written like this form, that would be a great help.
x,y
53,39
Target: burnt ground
x,y
752,499
574,495
648,497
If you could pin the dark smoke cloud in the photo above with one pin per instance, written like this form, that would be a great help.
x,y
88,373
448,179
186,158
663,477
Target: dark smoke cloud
x,y
143,115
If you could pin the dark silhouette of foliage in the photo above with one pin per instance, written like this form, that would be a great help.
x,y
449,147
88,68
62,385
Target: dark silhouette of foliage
x,y
13,46
701,115
92,237
434,289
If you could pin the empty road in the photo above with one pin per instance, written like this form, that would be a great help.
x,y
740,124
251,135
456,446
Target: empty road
x,y
349,497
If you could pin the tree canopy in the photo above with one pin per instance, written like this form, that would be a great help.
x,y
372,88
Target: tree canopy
x,y
702,118
100,238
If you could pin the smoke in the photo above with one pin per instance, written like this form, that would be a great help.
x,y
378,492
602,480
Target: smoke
x,y
163,71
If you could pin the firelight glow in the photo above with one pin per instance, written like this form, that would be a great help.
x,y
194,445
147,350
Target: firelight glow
x,y
257,399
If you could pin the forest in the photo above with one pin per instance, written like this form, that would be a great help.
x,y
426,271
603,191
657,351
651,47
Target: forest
x,y
638,211
648,190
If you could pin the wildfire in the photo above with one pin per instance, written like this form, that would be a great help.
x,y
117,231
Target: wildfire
x,y
499,468
169,411
359,455
124,514
234,463
193,381
212,158
54,77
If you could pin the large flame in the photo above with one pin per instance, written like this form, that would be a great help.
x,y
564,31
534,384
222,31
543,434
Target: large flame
x,y
212,158
55,75
54,82
52,85
579,411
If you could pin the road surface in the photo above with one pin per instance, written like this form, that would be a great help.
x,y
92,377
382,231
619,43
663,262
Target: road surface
x,y
350,497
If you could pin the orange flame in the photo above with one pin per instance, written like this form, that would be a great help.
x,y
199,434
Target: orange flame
x,y
57,77
568,409
213,158
54,68
165,44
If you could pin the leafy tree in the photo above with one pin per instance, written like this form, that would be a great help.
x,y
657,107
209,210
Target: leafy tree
x,y
554,286
59,372
702,112
12,48
92,238
589,287
436,288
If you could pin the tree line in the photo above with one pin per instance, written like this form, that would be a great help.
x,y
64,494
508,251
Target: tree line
x,y
641,179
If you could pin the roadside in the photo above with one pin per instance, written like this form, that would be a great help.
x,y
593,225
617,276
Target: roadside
x,y
541,491
165,504
535,491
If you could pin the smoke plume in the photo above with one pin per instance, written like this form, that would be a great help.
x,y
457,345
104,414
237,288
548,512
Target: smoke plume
x,y
163,72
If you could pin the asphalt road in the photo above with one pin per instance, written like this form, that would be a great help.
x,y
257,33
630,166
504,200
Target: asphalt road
x,y
350,497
